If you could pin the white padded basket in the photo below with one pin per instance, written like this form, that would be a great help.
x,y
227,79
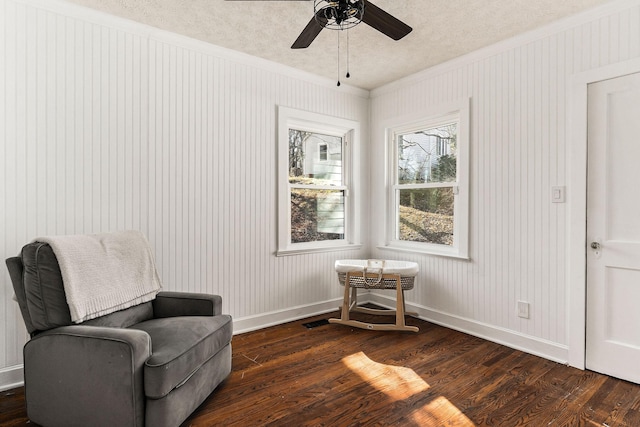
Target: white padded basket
x,y
406,269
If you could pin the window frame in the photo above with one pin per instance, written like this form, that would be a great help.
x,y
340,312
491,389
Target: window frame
x,y
433,117
349,130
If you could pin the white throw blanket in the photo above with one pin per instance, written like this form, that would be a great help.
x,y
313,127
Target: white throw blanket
x,y
103,273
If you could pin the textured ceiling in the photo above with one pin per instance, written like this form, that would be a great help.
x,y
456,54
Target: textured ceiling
x,y
442,30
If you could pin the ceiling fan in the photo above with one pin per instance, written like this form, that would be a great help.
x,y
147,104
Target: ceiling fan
x,y
343,14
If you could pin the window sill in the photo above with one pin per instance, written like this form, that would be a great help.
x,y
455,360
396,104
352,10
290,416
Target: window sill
x,y
317,249
425,251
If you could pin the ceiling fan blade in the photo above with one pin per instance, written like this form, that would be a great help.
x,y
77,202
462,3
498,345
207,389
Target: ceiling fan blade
x,y
310,32
384,22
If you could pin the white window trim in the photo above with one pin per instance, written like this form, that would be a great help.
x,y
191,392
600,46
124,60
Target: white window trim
x,y
458,111
328,125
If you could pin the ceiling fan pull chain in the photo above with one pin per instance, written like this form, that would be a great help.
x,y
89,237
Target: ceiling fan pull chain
x,y
348,75
338,32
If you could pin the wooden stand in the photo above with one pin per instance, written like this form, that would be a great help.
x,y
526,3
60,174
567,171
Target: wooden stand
x,y
350,304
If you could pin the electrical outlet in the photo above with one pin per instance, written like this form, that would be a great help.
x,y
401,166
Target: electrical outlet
x,y
522,309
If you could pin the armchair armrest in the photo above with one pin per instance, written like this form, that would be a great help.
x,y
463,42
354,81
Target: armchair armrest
x,y
77,374
173,304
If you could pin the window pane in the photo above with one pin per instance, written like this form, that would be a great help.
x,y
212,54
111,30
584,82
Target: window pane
x,y
428,155
426,215
316,215
314,159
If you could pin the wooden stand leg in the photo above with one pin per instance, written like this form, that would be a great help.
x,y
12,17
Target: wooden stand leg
x,y
399,304
350,304
346,306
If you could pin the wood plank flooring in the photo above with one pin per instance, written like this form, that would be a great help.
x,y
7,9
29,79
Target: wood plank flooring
x,y
334,375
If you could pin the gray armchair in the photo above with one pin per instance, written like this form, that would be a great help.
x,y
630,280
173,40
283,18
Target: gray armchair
x,y
148,365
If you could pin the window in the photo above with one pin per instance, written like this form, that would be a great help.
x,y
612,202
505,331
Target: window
x,y
323,152
314,201
428,207
316,187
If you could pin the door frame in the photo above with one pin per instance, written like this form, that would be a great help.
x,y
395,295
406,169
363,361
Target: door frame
x,y
576,267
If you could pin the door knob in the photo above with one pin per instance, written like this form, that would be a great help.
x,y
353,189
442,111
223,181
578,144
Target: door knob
x,y
595,245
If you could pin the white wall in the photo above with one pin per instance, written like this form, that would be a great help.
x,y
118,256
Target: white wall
x,y
519,92
108,125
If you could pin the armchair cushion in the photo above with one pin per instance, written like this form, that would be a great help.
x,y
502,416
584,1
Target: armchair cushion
x,y
181,345
124,318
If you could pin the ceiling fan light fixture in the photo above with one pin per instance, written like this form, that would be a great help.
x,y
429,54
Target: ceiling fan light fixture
x,y
338,14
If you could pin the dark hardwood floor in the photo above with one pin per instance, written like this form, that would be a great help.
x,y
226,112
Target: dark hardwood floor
x,y
333,375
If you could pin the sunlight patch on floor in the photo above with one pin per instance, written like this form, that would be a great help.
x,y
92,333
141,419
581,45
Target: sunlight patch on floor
x,y
395,381
400,383
440,412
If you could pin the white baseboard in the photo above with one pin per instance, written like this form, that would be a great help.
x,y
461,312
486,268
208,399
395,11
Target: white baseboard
x,y
264,320
11,377
532,345
536,346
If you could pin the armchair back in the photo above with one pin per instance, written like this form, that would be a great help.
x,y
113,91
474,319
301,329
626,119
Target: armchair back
x,y
39,289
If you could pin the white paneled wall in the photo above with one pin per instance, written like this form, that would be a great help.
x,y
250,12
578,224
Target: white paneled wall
x,y
518,238
108,125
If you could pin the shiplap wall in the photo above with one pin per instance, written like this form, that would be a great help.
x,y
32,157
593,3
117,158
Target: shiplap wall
x,y
108,125
518,145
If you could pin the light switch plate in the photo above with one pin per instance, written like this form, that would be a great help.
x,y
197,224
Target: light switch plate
x,y
558,194
522,309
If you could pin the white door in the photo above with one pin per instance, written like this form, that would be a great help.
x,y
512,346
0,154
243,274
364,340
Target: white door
x,y
613,228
